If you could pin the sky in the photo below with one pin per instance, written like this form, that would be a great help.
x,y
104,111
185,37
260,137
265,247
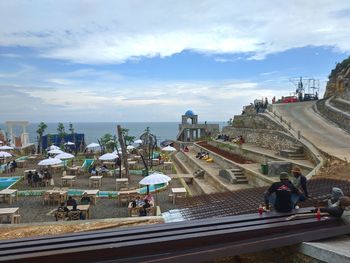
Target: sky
x,y
137,61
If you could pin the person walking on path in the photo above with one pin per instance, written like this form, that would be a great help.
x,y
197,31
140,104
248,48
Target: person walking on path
x,y
300,182
283,195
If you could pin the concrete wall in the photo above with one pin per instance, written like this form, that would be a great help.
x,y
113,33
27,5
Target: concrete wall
x,y
337,116
269,139
257,121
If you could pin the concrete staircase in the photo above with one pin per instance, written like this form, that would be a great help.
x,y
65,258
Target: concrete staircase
x,y
295,152
240,177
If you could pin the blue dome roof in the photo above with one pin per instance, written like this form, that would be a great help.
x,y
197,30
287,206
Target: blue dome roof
x,y
189,113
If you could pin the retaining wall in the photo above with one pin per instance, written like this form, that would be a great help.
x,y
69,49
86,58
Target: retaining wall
x,y
269,139
340,118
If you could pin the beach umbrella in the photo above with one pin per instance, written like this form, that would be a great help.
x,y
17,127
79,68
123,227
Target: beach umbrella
x,y
5,154
50,161
169,149
139,141
64,155
108,157
155,178
130,147
5,147
53,147
55,151
93,145
69,143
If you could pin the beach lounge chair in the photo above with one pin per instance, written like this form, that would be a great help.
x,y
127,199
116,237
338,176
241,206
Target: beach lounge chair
x,y
86,165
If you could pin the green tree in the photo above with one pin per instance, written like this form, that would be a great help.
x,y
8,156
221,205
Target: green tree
x,y
127,138
40,131
61,132
108,142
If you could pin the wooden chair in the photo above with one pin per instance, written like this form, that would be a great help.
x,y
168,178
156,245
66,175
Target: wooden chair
x,y
123,198
150,211
55,198
60,215
46,198
135,211
74,215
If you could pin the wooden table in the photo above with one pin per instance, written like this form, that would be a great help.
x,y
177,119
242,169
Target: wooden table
x,y
21,163
178,192
68,179
73,170
168,165
8,194
95,178
63,195
93,195
85,209
132,164
109,164
121,182
155,161
12,212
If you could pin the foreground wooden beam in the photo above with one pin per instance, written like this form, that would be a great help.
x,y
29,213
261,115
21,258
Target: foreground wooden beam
x,y
190,241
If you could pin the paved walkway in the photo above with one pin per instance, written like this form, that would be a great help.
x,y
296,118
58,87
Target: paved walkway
x,y
319,131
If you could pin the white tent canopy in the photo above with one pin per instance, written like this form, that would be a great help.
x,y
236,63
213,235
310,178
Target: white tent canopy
x,y
139,141
55,151
108,157
130,147
64,155
5,147
50,161
155,178
69,143
169,149
5,154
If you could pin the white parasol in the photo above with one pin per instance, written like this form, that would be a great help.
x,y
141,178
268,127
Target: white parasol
x,y
5,147
64,155
50,161
55,151
5,154
108,157
169,149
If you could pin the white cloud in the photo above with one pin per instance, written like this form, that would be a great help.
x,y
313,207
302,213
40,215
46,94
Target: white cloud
x,y
157,101
116,31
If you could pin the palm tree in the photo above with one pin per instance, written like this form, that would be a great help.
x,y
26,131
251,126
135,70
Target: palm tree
x,y
40,131
61,132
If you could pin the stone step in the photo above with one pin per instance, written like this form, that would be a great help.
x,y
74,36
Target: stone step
x,y
241,181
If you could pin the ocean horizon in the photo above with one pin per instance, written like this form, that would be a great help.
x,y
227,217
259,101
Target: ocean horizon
x,y
95,130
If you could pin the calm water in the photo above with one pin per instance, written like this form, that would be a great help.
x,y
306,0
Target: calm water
x,y
95,130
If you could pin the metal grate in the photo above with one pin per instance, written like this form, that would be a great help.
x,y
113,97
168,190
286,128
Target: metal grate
x,y
247,201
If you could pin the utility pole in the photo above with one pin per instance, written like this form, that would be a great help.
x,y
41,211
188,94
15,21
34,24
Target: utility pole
x,y
124,153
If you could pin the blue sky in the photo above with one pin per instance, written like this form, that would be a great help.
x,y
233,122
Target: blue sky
x,y
85,61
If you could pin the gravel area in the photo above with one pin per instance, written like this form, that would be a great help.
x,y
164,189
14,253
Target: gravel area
x,y
32,208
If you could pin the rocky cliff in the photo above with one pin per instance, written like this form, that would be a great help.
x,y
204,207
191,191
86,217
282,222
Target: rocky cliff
x,y
339,81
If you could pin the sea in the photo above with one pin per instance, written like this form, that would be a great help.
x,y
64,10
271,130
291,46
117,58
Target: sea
x,y
95,130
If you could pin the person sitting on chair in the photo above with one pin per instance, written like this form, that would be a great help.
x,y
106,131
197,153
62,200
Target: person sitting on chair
x,y
282,195
71,201
61,212
85,200
143,211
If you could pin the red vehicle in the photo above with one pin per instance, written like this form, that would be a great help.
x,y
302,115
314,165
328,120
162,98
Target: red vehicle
x,y
289,99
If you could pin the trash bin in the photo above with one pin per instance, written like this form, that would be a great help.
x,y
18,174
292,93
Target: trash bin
x,y
264,168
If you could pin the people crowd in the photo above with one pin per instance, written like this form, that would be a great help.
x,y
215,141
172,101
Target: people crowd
x,y
39,179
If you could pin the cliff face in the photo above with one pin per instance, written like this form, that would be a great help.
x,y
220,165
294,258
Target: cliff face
x,y
339,81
